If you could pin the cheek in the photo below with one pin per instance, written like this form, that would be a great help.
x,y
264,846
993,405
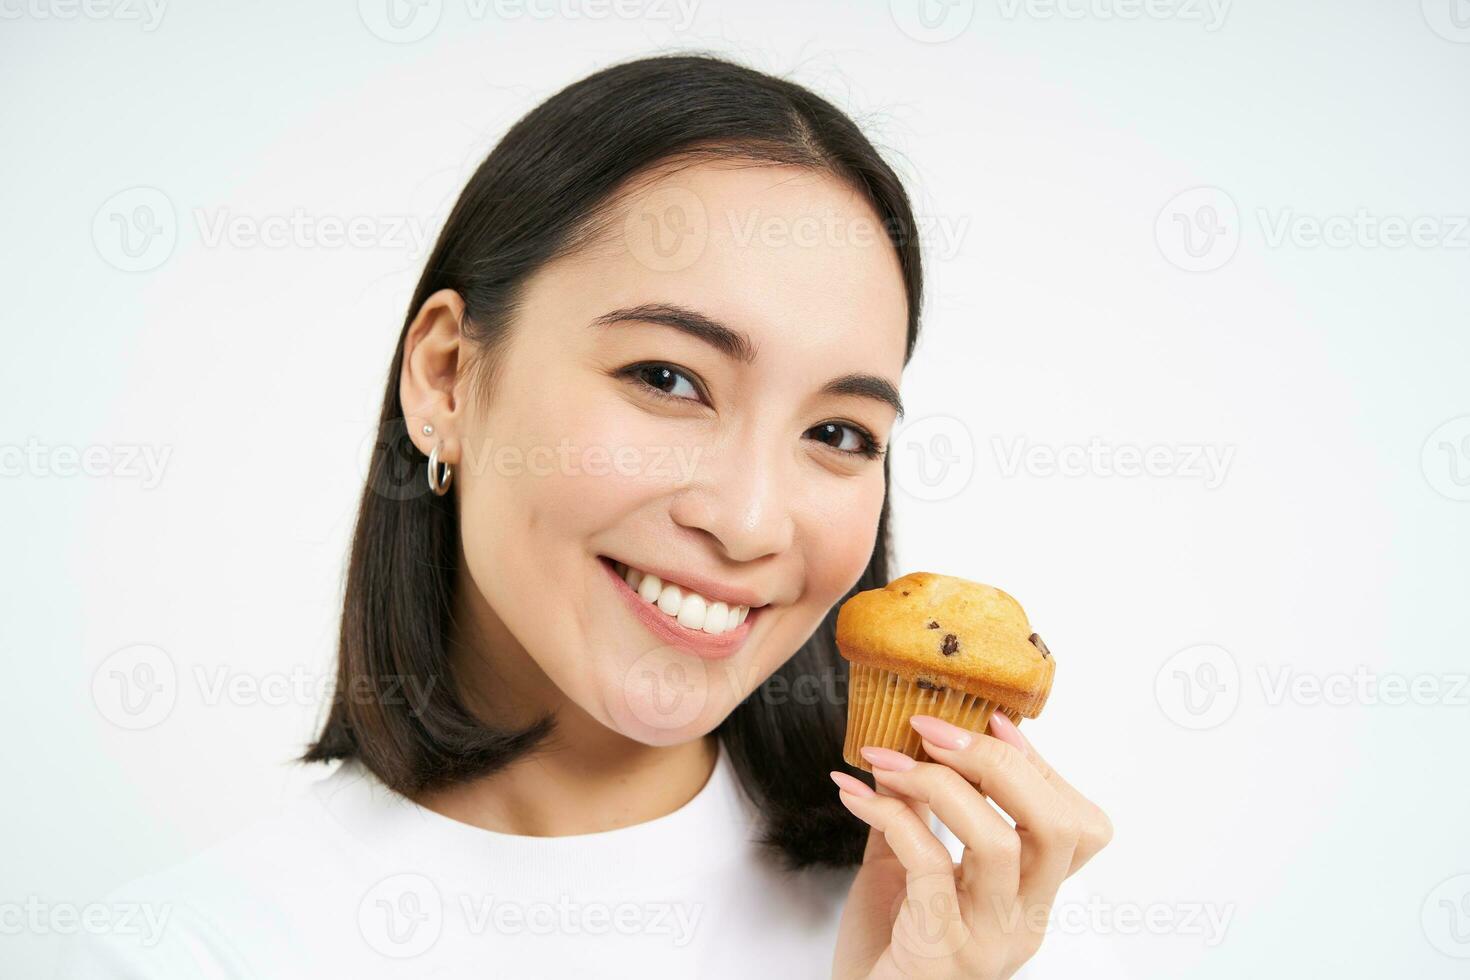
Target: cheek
x,y
838,529
841,534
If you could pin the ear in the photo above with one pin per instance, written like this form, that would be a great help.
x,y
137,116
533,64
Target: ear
x,y
430,386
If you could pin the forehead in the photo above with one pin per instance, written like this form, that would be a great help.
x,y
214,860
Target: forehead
x,y
794,258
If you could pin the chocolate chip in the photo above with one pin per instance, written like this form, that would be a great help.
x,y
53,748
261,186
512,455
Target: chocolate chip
x,y
905,591
926,685
950,646
1036,641
933,625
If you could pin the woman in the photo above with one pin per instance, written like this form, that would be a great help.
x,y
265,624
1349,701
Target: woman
x,y
588,698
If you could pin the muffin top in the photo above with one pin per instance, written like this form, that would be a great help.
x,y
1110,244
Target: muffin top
x,y
949,632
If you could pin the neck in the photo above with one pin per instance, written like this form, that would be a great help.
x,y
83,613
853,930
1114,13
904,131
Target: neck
x,y
584,778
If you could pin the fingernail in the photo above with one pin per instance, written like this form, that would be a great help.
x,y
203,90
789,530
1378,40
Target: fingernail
x,y
1005,730
887,758
848,784
940,732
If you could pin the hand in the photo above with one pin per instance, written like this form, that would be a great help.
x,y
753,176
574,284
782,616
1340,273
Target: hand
x,y
913,912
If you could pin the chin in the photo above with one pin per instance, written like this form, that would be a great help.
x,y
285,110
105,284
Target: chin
x,y
666,697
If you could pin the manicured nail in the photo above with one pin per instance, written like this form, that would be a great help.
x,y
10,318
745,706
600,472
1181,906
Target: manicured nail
x,y
848,784
1005,730
887,758
940,732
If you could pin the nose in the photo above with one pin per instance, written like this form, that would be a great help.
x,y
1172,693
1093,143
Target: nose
x,y
740,495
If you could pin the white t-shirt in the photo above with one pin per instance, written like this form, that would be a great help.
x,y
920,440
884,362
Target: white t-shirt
x,y
354,880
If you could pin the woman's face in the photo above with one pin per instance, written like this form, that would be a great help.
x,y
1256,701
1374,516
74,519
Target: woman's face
x,y
690,397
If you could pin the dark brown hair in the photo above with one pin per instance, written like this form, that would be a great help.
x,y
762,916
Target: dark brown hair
x,y
553,177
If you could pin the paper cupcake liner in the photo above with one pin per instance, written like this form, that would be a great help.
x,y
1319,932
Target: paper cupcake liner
x,y
880,704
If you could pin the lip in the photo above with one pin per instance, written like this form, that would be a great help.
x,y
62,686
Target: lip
x,y
666,628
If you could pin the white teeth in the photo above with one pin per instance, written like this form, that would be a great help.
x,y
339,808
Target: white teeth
x,y
716,618
692,610
670,599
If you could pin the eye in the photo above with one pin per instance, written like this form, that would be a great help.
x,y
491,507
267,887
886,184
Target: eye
x,y
666,381
847,438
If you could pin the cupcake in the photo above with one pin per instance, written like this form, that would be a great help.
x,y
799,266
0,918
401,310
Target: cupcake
x,y
929,644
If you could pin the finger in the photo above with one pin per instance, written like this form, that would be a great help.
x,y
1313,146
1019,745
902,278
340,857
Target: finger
x,y
929,922
1097,829
1048,828
876,849
991,863
919,807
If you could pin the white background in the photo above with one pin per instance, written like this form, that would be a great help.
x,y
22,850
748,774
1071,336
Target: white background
x,y
1047,148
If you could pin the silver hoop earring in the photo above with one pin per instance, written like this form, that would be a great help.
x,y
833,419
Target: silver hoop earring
x,y
439,483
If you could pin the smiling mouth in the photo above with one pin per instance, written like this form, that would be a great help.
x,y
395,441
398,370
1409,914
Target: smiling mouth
x,y
682,617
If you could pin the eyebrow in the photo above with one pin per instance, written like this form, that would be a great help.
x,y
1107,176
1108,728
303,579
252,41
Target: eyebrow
x,y
734,344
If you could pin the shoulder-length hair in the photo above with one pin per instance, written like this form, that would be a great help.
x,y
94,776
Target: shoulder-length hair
x,y
553,176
